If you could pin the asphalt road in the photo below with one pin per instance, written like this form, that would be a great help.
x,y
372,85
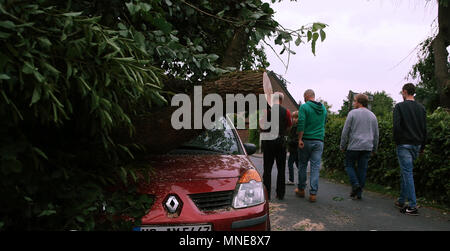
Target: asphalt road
x,y
334,210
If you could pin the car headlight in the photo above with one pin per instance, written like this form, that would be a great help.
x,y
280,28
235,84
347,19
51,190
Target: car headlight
x,y
249,191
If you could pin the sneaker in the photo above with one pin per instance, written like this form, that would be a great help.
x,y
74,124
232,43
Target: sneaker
x,y
290,182
399,205
409,211
300,193
312,198
355,191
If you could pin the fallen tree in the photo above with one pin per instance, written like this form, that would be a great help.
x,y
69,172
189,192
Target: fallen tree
x,y
154,130
78,77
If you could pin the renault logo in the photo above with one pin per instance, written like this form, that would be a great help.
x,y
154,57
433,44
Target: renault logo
x,y
172,204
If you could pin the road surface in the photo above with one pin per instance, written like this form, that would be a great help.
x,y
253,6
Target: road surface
x,y
335,210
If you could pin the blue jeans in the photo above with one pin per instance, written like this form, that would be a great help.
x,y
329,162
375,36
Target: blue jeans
x,y
357,174
406,156
312,152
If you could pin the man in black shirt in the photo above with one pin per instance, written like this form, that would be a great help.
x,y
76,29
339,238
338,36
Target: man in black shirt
x,y
275,150
410,137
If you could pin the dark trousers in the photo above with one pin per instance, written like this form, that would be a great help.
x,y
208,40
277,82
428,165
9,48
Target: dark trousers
x,y
357,174
275,150
293,159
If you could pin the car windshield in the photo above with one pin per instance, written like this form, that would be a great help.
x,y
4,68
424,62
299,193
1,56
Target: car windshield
x,y
220,140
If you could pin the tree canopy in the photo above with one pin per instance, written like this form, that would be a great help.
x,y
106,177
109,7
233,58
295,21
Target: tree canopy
x,y
74,73
381,105
423,72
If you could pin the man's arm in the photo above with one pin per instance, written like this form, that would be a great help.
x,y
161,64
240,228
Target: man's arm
x,y
396,122
376,134
300,140
301,126
346,131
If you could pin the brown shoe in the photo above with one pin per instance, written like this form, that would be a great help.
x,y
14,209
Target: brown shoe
x,y
312,198
300,193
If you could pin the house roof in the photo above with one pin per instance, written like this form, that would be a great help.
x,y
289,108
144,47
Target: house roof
x,y
292,103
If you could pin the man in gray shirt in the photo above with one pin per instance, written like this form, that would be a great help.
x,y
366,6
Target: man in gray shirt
x,y
361,133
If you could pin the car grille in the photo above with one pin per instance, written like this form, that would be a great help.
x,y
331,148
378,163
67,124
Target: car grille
x,y
213,201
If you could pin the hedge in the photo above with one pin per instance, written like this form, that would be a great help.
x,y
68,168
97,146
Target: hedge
x,y
431,169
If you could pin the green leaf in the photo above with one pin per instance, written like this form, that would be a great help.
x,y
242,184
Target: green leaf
x,y
36,95
315,36
121,26
309,34
123,174
4,76
38,76
212,57
220,14
85,84
163,25
257,15
132,8
7,24
124,148
55,99
47,213
322,35
28,68
298,41
338,198
4,35
80,219
40,152
51,69
89,20
72,14
318,26
44,41
108,117
153,86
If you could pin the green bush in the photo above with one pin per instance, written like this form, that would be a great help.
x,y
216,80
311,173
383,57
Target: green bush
x,y
431,170
253,137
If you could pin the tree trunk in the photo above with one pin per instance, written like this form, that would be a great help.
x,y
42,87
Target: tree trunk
x,y
236,50
155,132
440,43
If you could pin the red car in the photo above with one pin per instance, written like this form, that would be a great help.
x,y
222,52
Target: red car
x,y
207,184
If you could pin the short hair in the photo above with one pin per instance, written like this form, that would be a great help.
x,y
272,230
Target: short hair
x,y
278,96
410,88
363,99
309,93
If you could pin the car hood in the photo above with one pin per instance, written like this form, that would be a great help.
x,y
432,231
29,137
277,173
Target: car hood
x,y
194,167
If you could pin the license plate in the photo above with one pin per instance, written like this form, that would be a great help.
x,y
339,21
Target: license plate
x,y
177,228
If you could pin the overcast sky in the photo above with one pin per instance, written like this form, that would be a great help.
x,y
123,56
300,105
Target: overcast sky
x,y
369,45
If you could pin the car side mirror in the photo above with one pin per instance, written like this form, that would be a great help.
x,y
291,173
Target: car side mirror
x,y
250,148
